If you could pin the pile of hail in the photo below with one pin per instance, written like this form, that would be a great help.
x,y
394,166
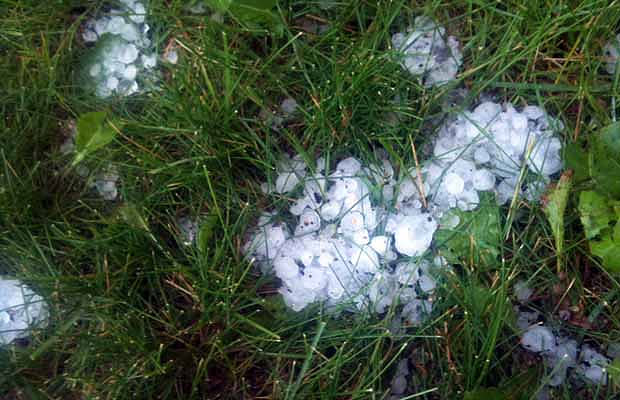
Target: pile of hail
x,y
362,236
494,147
122,52
561,354
20,310
425,50
360,240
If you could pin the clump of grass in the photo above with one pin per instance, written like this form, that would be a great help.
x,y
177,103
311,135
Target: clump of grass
x,y
137,315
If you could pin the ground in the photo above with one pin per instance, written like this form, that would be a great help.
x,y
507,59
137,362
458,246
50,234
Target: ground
x,y
135,313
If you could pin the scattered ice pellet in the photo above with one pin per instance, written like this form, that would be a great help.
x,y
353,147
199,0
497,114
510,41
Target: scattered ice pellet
x,y
172,56
399,381
285,112
427,51
613,350
288,106
122,50
106,183
525,319
560,355
592,365
523,291
188,228
416,311
538,339
20,310
612,53
487,148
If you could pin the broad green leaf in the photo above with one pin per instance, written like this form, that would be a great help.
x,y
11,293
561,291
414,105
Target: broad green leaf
x,y
554,208
576,159
595,213
477,237
257,14
93,132
604,160
608,251
614,371
219,5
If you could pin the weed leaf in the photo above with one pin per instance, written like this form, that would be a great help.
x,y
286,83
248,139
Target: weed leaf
x,y
576,159
595,213
614,371
598,216
604,160
219,5
92,134
609,251
476,238
555,206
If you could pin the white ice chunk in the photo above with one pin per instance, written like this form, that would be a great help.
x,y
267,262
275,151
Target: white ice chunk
x,y
523,291
538,339
611,52
348,167
89,36
309,221
365,260
130,72
352,221
105,183
139,13
20,310
593,365
286,181
188,230
380,244
454,184
112,83
331,210
361,237
94,70
483,179
285,267
314,279
416,311
148,61
481,155
288,106
413,234
172,56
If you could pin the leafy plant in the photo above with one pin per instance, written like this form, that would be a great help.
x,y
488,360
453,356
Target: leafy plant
x,y
93,132
599,207
476,238
554,208
614,371
599,216
253,13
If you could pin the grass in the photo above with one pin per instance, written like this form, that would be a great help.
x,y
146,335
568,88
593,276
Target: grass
x,y
135,314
